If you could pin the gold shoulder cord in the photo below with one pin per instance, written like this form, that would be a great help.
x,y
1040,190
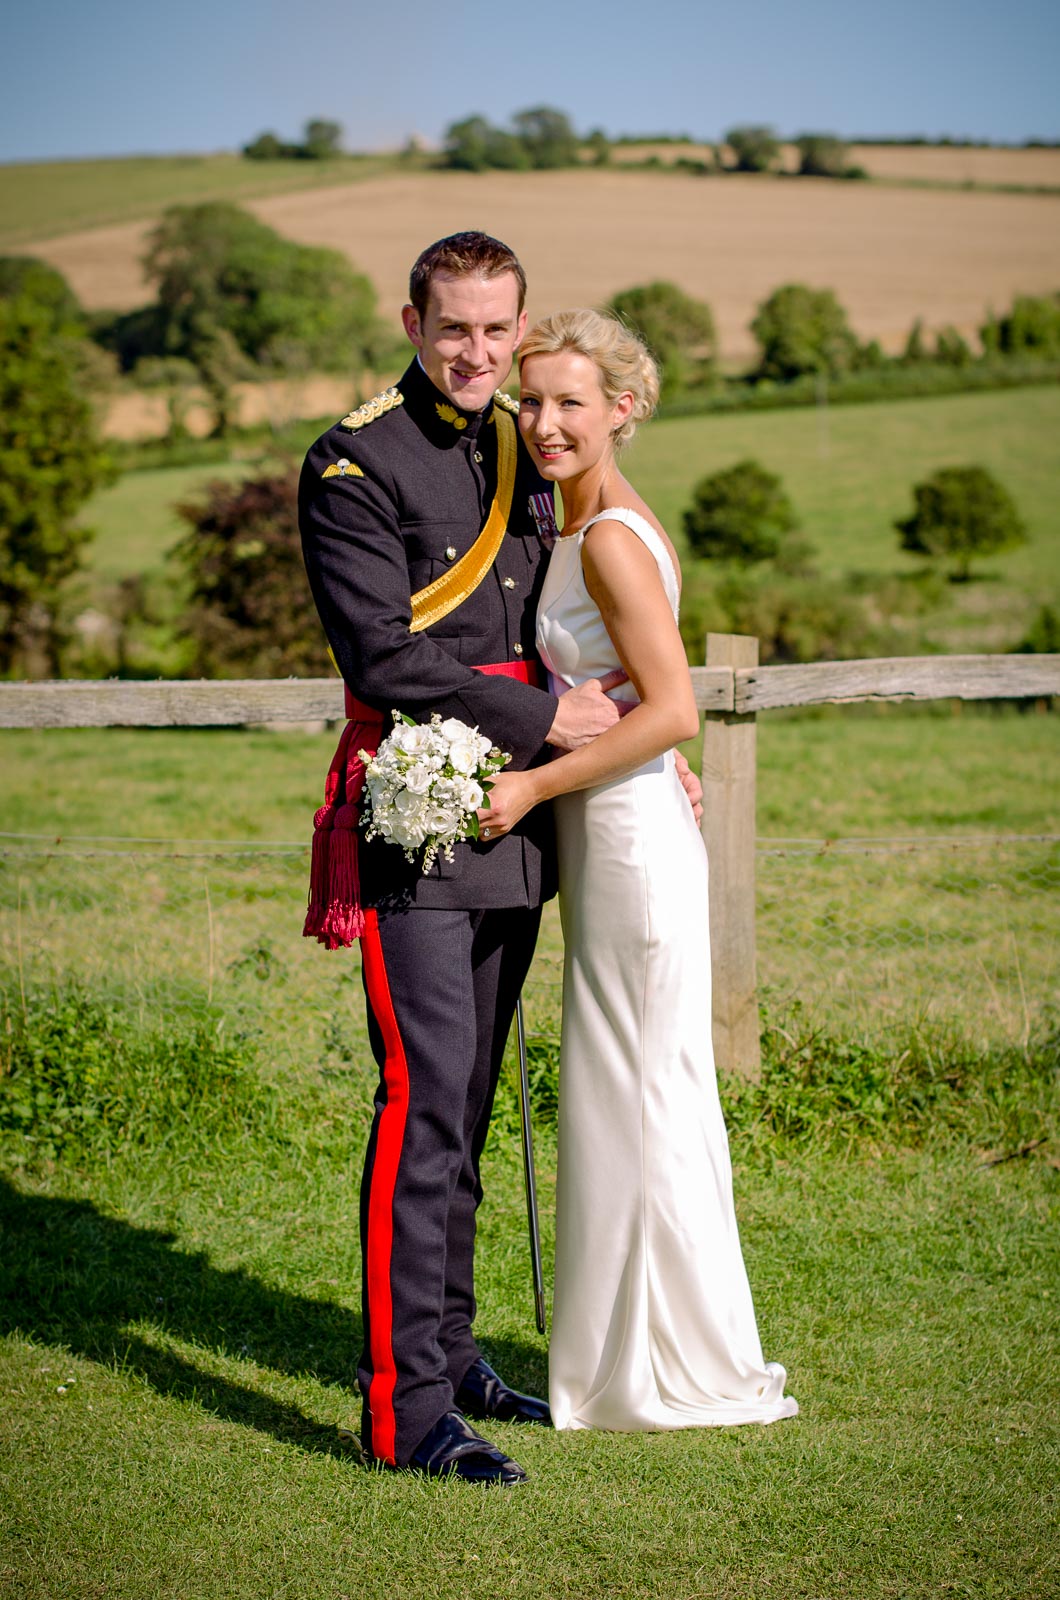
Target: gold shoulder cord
x,y
430,605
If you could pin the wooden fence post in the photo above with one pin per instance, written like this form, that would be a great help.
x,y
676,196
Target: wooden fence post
x,y
728,775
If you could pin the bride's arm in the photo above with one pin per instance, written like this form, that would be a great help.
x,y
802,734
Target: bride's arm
x,y
622,577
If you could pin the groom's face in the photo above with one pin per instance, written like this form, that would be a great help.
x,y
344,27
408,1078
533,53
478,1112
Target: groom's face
x,y
468,335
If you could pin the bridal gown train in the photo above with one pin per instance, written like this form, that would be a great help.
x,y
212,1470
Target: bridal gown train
x,y
653,1323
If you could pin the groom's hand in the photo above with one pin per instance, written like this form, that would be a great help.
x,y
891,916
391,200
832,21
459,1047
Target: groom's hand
x,y
582,714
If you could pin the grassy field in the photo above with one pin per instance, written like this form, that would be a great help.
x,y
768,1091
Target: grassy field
x,y
857,940
849,472
178,1301
42,199
890,254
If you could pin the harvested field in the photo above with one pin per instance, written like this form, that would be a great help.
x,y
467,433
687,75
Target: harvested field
x,y
890,254
906,163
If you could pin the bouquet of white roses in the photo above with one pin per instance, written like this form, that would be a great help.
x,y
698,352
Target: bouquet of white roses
x,y
425,784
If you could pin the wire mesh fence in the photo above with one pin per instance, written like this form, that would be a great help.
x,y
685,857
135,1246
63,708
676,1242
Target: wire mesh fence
x,y
855,935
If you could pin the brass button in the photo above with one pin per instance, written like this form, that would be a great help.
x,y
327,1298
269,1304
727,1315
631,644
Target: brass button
x,y
509,583
518,649
478,457
450,553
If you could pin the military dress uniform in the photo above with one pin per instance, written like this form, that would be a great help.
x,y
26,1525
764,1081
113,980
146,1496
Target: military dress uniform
x,y
389,500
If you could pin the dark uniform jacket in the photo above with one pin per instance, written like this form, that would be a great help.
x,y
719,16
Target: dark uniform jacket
x,y
386,503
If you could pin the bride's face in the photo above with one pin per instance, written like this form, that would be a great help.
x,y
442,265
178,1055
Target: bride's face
x,y
566,421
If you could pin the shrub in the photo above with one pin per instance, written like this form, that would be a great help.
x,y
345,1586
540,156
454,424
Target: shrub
x,y
678,330
952,349
755,147
739,514
1031,328
802,619
961,512
251,612
803,330
547,137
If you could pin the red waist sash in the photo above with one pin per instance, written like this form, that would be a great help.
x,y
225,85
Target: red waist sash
x,y
335,916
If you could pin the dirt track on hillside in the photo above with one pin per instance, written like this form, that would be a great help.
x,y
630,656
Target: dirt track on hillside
x,y
890,254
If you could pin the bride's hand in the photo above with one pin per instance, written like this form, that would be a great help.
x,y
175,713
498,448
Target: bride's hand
x,y
511,796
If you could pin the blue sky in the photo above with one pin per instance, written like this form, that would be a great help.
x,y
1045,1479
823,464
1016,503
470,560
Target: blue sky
x,y
113,77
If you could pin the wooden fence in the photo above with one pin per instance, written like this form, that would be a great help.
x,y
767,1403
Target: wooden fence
x,y
730,690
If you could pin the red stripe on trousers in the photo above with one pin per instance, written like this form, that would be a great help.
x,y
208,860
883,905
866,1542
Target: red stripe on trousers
x,y
388,1141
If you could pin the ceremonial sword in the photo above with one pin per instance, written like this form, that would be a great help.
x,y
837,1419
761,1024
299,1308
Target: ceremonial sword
x,y
528,1170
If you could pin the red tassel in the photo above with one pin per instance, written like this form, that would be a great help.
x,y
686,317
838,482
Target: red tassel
x,y
344,921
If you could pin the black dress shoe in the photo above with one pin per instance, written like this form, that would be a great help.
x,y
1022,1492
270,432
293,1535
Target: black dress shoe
x,y
488,1398
453,1449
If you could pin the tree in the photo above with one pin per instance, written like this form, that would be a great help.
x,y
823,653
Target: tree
x,y
755,147
739,514
466,144
251,610
27,278
961,512
822,155
951,349
803,330
322,139
598,147
915,349
547,136
225,279
51,461
678,330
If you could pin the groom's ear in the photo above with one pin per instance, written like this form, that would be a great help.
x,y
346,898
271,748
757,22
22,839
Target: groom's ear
x,y
410,321
520,330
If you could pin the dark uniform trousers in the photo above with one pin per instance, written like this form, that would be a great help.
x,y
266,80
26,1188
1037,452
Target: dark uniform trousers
x,y
386,504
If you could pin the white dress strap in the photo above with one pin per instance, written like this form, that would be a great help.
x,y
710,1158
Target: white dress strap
x,y
640,525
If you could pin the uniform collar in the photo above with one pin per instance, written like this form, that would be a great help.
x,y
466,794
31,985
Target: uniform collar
x,y
435,414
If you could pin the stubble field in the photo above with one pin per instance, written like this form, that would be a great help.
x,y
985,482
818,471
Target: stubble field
x,y
891,254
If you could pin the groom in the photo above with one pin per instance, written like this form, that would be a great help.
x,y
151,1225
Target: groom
x,y
392,500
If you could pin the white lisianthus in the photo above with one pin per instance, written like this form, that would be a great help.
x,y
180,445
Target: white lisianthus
x,y
464,755
418,778
425,784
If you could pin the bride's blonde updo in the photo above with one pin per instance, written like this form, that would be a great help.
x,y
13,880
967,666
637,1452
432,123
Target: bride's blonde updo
x,y
621,359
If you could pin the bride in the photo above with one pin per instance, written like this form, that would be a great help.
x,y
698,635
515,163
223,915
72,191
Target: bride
x,y
653,1323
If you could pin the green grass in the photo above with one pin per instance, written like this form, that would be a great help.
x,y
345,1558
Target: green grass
x,y
179,1349
847,498
869,942
39,200
850,475
179,1277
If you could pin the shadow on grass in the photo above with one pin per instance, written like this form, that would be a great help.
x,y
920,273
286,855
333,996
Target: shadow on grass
x,y
76,1277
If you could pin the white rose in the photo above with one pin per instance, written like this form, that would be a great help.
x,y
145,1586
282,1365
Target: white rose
x,y
452,729
412,741
409,834
470,794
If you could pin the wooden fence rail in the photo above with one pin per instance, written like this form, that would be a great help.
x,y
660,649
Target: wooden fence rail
x,y
730,690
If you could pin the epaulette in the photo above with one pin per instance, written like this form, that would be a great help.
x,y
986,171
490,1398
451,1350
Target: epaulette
x,y
500,398
377,406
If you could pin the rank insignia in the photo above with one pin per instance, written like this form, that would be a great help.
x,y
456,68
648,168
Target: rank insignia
x,y
543,511
342,469
452,415
377,406
500,398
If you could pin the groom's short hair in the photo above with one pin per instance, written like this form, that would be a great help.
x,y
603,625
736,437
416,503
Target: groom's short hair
x,y
463,255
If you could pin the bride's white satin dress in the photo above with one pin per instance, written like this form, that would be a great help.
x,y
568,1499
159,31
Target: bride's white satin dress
x,y
653,1323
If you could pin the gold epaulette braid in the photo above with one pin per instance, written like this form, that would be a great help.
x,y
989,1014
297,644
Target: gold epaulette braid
x,y
377,406
501,398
